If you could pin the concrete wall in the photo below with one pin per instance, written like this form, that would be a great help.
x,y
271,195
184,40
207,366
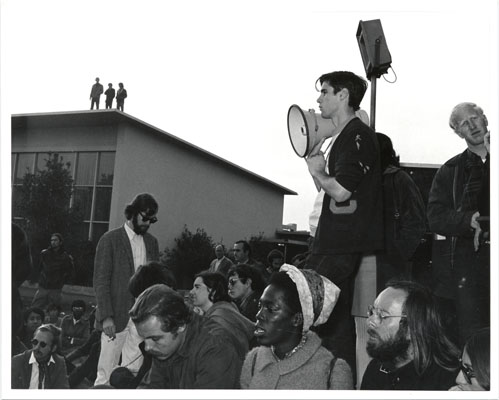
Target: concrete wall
x,y
92,138
191,190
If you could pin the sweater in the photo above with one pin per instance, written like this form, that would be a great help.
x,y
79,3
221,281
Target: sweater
x,y
307,369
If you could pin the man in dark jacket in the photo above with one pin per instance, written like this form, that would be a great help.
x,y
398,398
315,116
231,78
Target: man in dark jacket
x,y
56,267
457,199
95,93
351,220
40,367
110,93
189,351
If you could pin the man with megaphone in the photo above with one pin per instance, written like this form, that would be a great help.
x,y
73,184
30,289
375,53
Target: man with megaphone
x,y
351,222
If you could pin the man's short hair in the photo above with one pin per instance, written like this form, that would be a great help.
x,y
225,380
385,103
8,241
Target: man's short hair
x,y
79,303
148,275
54,330
246,246
58,235
454,115
245,272
164,303
143,202
273,254
355,85
34,310
428,338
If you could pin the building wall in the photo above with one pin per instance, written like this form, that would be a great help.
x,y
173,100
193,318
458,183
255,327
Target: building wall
x,y
191,190
81,138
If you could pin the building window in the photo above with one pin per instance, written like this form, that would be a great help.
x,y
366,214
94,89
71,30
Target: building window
x,y
92,174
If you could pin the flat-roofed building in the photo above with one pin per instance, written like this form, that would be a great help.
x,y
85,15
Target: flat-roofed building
x,y
113,156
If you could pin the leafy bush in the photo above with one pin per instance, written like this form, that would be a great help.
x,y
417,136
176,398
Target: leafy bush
x,y
192,254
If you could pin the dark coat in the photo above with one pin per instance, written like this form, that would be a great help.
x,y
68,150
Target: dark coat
x,y
56,377
113,268
207,359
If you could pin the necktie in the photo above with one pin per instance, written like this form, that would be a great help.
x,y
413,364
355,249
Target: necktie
x,y
42,369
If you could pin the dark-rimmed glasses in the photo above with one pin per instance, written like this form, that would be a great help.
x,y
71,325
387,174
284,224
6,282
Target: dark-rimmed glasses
x,y
376,312
233,281
467,371
145,218
35,343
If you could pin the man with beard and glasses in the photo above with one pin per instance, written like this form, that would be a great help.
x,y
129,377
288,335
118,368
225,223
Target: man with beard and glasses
x,y
119,254
407,342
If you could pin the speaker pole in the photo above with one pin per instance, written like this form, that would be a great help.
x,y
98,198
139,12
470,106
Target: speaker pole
x,y
373,83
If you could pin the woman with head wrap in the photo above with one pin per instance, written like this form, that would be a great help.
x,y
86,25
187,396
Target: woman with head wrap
x,y
290,356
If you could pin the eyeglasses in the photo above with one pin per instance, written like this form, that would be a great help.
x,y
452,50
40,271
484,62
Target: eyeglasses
x,y
467,371
232,281
145,218
371,310
35,342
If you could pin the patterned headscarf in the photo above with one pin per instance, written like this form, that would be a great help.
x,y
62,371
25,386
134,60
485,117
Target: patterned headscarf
x,y
318,295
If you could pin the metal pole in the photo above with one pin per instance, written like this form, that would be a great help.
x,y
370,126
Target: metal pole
x,y
373,83
373,102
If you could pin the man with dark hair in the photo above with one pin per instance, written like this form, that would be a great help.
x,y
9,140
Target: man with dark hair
x,y
95,93
351,220
242,255
121,95
246,285
148,275
41,367
189,351
75,330
220,264
33,317
459,197
118,255
110,93
55,269
409,347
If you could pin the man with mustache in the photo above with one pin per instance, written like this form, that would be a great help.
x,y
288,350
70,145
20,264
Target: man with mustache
x,y
409,348
41,367
119,254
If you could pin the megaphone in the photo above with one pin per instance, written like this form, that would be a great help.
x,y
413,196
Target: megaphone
x,y
307,128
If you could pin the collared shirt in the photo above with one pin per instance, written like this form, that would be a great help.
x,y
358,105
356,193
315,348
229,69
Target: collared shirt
x,y
217,264
138,247
33,383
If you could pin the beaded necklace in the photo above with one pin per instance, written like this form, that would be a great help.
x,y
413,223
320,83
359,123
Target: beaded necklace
x,y
292,351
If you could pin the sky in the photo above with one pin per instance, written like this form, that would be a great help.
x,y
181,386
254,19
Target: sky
x,y
222,74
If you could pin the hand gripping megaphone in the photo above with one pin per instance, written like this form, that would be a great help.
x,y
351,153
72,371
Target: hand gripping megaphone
x,y
307,128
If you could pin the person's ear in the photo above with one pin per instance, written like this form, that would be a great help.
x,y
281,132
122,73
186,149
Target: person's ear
x,y
298,319
344,93
248,282
485,120
181,329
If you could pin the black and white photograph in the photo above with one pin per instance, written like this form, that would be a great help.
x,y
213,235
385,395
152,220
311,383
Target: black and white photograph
x,y
247,199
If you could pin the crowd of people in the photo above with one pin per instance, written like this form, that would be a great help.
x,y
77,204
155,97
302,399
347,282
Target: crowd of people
x,y
248,324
